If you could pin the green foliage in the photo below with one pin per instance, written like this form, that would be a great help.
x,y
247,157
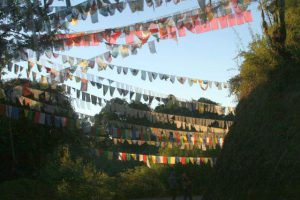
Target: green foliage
x,y
140,182
139,106
134,179
205,100
32,146
153,182
260,60
77,179
191,153
260,157
32,143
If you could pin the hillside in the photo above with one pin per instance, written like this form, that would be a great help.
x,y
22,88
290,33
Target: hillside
x,y
260,158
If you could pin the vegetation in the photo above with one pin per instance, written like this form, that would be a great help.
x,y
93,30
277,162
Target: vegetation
x,y
61,163
260,158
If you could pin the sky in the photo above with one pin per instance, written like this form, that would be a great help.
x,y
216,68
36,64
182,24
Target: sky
x,y
207,56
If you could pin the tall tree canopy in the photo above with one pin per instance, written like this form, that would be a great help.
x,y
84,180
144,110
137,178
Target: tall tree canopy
x,y
24,24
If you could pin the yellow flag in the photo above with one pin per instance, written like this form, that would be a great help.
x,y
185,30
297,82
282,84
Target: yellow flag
x,y
133,156
153,159
172,160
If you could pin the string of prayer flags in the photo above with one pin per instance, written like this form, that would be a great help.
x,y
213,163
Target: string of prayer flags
x,y
214,9
148,96
85,98
114,48
151,76
152,136
119,85
86,104
156,159
114,51
25,91
39,106
92,7
20,55
124,90
180,121
157,32
37,117
122,50
39,100
208,144
204,130
194,21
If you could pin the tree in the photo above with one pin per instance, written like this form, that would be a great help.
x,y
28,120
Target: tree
x,y
277,46
26,146
24,25
259,159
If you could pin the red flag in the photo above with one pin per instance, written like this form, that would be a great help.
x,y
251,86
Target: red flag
x,y
223,21
197,26
143,35
231,20
68,42
239,19
214,25
183,160
129,37
181,31
145,158
123,156
165,160
205,27
113,37
171,32
247,16
195,139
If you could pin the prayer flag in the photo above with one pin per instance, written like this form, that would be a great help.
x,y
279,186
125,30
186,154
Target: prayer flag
x,y
247,16
223,21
